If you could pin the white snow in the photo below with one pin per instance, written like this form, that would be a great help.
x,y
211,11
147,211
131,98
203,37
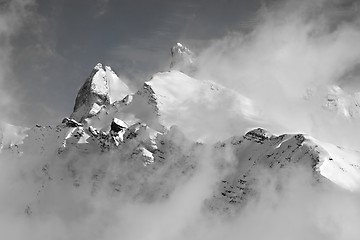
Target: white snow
x,y
118,90
120,122
99,83
199,107
340,165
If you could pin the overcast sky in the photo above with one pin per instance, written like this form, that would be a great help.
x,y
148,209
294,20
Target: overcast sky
x,y
60,41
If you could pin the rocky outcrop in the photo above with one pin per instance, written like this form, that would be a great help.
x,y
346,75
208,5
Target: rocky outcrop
x,y
71,122
182,59
118,125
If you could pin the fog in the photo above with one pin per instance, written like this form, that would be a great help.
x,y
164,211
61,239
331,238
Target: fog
x,y
285,65
12,13
287,205
296,50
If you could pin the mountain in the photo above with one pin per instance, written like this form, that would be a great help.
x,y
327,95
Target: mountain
x,y
142,145
102,87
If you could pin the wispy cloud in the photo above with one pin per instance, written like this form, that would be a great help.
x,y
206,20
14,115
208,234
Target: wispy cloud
x,y
13,13
296,47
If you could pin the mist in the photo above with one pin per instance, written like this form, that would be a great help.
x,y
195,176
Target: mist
x,y
295,53
284,65
12,14
287,204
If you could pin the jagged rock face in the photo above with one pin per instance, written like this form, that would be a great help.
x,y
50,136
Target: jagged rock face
x,y
182,59
92,95
96,92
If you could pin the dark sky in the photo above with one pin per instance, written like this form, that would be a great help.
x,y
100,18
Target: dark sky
x,y
61,41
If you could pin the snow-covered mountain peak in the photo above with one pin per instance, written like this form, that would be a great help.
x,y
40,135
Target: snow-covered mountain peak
x,y
100,89
98,67
182,59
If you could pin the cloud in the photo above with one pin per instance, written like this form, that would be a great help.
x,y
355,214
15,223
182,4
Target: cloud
x,y
286,204
296,47
289,206
12,15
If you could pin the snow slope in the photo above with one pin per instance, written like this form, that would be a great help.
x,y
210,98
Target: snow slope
x,y
203,110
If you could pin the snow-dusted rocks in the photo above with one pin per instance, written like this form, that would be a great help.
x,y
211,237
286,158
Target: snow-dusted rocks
x,y
118,125
71,122
259,151
182,59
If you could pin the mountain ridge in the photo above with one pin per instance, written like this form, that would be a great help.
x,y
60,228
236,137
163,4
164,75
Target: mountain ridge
x,y
143,144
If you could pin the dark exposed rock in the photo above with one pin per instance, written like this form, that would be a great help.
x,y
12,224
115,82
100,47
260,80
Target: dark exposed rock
x,y
258,134
92,95
71,122
182,59
118,125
